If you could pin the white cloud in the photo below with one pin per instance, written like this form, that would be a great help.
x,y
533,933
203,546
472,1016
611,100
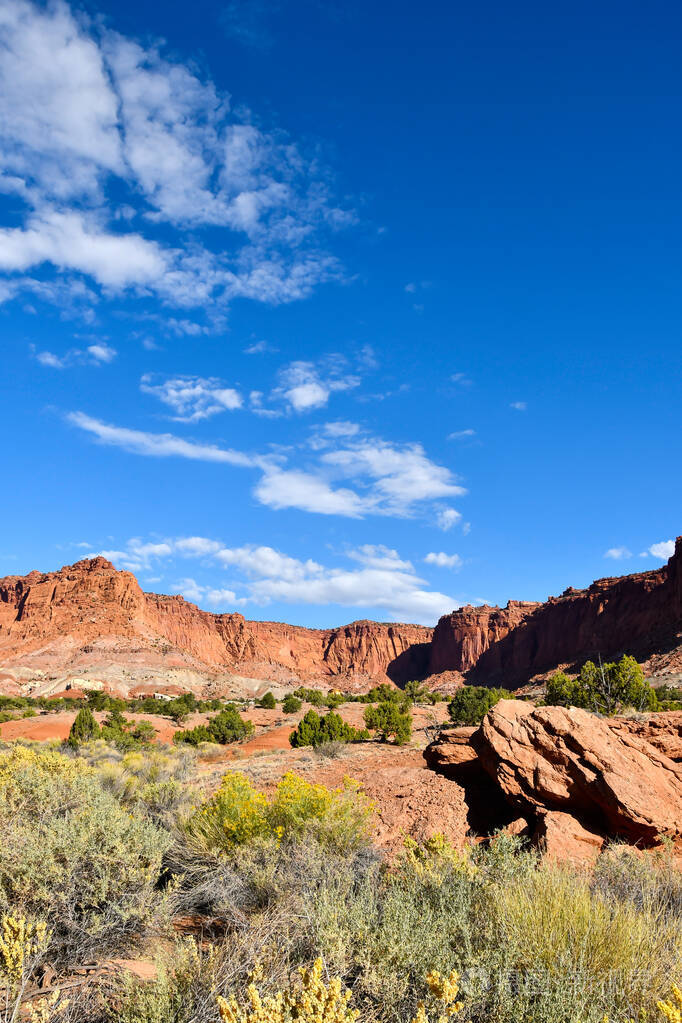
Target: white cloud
x,y
402,475
197,546
72,241
662,550
388,479
291,488
257,348
158,445
461,434
341,428
303,387
50,359
519,406
86,112
385,581
266,561
443,560
618,553
99,354
446,518
102,352
379,556
192,398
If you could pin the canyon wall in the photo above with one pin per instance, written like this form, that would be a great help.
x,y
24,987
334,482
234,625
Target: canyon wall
x,y
90,620
639,614
87,612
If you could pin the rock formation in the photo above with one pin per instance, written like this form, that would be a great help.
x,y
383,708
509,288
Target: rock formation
x,y
576,778
89,616
639,614
90,621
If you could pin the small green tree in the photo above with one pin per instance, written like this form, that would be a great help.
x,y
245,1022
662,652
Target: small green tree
x,y
291,704
470,704
314,730
388,719
84,728
415,692
603,688
268,702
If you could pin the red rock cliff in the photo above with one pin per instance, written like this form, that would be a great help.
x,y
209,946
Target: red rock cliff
x,y
91,602
639,614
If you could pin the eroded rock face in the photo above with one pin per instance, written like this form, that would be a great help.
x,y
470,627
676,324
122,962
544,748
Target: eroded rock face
x,y
90,610
567,760
639,614
662,730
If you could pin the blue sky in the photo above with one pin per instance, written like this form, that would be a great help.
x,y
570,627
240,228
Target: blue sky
x,y
319,311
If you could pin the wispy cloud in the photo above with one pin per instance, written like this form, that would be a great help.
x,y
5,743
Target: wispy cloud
x,y
192,398
519,406
618,553
442,560
99,354
82,109
354,476
159,445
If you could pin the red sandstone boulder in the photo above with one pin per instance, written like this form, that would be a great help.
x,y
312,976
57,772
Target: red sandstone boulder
x,y
663,730
561,837
451,750
554,758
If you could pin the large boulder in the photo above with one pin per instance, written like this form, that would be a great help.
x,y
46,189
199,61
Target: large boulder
x,y
561,837
663,730
566,759
451,751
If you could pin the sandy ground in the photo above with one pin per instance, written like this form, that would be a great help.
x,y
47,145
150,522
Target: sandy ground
x,y
272,726
408,798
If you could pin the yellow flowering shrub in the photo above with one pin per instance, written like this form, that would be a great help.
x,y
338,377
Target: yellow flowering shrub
x,y
671,1010
444,991
430,859
48,762
310,1000
238,813
21,942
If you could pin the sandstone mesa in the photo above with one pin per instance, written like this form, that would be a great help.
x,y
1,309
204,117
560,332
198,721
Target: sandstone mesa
x,y
89,624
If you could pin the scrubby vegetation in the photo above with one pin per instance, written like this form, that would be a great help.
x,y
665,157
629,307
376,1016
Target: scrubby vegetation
x,y
227,726
604,688
110,853
314,730
390,720
470,704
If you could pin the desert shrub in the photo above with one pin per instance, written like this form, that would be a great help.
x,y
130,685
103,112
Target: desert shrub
x,y
291,704
72,856
194,736
155,783
309,1000
470,704
389,720
315,697
314,730
604,688
268,701
83,729
226,727
238,814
